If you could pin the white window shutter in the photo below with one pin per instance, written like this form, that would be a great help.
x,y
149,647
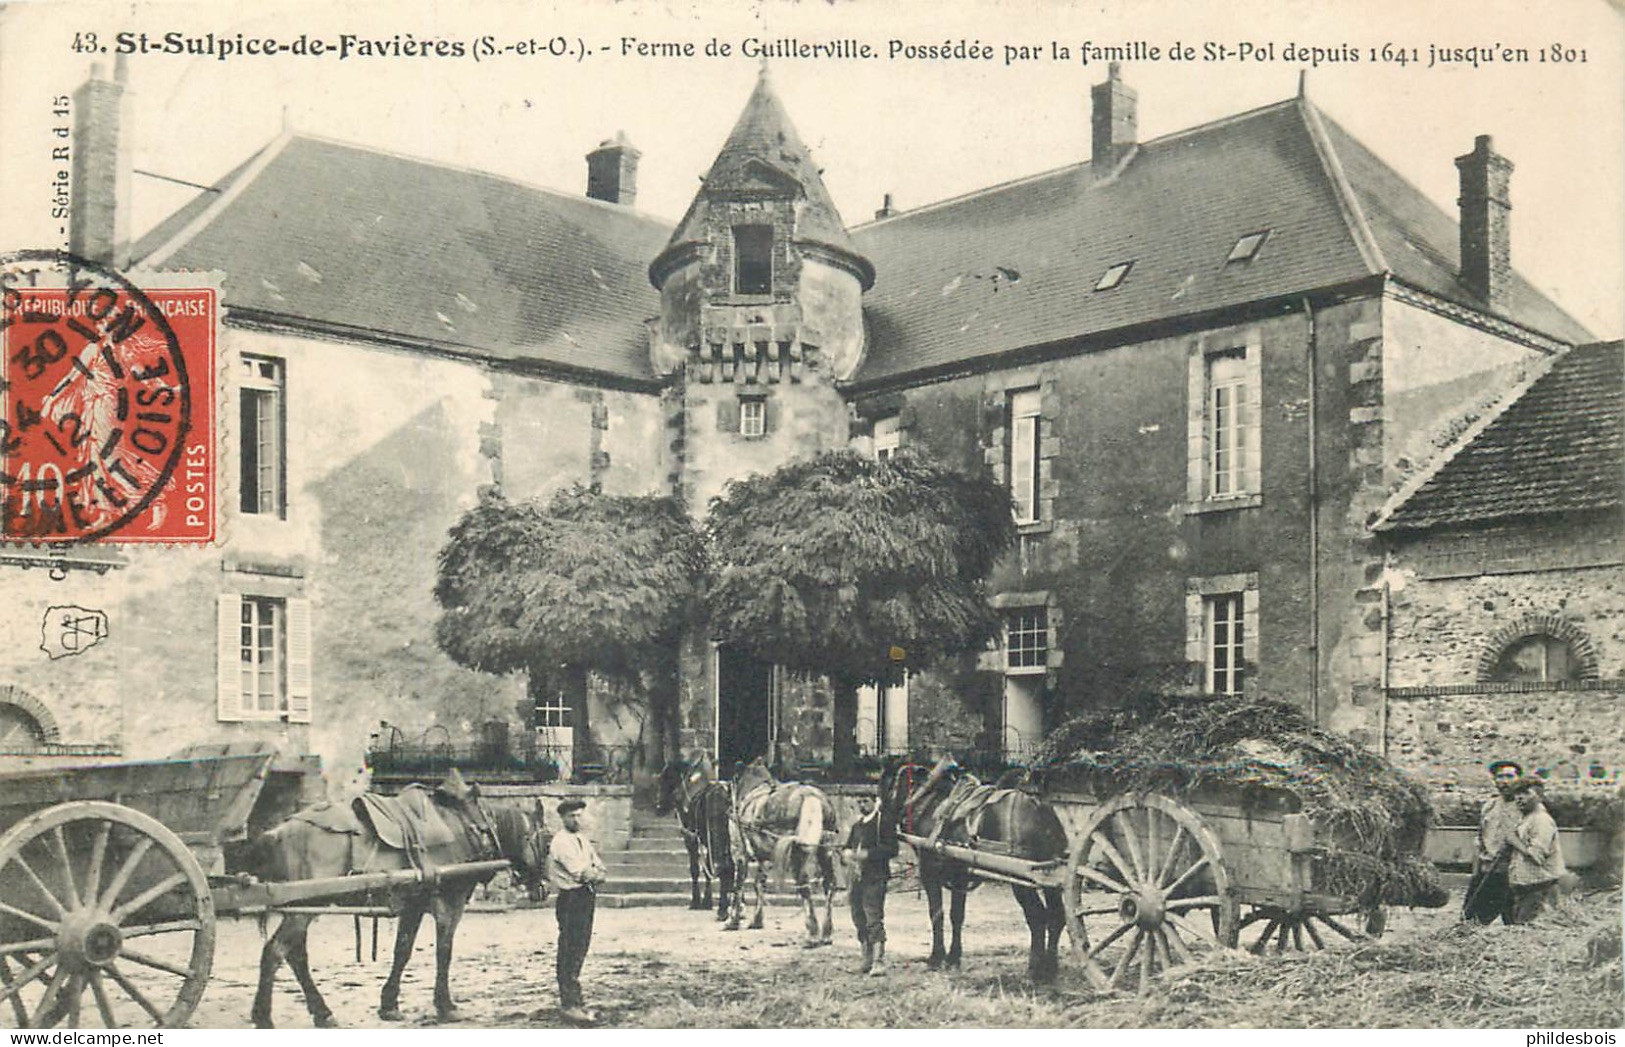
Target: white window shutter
x,y
229,658
298,661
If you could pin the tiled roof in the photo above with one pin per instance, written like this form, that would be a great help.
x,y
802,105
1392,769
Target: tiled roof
x,y
367,241
1559,447
1016,265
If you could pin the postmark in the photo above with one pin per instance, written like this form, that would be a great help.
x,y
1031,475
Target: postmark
x,y
108,403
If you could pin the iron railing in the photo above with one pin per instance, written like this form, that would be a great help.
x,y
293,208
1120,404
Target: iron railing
x,y
526,760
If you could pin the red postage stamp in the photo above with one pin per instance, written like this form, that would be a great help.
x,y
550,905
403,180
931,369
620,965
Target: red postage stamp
x,y
106,434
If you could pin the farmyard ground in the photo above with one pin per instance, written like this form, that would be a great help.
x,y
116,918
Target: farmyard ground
x,y
673,967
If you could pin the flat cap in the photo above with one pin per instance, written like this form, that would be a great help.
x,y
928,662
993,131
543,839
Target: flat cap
x,y
572,804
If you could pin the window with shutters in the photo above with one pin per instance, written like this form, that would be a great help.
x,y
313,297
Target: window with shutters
x,y
1224,418
1023,407
261,445
753,418
264,658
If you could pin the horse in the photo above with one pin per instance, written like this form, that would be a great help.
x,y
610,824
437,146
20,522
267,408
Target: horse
x,y
335,840
783,825
703,806
952,807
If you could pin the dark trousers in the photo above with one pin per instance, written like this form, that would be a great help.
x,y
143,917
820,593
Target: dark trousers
x,y
1531,900
1489,896
867,899
575,909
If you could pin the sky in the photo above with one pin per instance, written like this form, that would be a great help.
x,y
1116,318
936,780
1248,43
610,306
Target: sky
x,y
920,128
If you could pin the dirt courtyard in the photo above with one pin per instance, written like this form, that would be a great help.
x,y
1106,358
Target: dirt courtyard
x,y
659,966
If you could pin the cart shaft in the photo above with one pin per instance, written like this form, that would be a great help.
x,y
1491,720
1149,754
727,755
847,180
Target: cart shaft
x,y
264,897
1019,871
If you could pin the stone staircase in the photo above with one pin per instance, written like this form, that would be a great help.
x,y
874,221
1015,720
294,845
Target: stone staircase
x,y
653,870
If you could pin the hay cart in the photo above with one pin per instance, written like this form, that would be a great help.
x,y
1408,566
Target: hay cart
x,y
110,885
1155,881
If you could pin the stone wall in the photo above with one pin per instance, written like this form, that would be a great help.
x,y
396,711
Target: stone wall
x,y
1446,735
1458,597
371,496
1123,540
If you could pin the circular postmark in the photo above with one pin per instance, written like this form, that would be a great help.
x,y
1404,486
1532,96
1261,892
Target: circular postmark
x,y
97,402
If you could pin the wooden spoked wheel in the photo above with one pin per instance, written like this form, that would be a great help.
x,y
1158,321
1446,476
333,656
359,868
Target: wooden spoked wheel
x,y
105,919
1147,891
1274,929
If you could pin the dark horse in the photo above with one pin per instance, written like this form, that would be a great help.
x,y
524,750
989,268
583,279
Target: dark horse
x,y
704,807
334,840
952,807
788,826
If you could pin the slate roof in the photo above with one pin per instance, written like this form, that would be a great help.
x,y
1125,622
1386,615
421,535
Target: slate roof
x,y
1557,447
764,135
367,241
1016,265
361,241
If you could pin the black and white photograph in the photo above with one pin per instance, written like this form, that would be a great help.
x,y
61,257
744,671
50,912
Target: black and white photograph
x,y
683,514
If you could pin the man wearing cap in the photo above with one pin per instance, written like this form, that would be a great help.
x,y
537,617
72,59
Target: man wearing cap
x,y
1537,858
574,870
1489,898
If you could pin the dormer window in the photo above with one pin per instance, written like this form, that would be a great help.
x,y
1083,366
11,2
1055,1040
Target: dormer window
x,y
1247,247
753,259
1113,276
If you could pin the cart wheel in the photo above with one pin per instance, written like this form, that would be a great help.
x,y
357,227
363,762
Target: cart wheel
x,y
1271,928
105,916
1147,891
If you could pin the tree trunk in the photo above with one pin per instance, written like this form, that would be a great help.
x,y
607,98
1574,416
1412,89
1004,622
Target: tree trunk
x,y
846,725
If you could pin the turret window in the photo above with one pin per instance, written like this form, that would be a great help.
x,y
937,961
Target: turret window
x,y
753,259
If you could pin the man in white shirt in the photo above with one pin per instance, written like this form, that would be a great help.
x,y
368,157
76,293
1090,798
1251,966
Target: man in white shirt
x,y
574,870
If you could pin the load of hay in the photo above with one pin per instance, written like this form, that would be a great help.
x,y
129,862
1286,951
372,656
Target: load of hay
x,y
1370,818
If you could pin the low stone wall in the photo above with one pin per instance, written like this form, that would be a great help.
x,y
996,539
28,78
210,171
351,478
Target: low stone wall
x,y
607,819
1445,735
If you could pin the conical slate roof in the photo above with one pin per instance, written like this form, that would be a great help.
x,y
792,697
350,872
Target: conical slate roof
x,y
764,152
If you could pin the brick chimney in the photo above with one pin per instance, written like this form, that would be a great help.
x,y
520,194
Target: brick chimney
x,y
612,171
99,222
1115,120
1486,226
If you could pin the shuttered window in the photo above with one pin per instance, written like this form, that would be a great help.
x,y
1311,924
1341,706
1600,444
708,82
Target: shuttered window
x,y
264,658
1024,453
261,446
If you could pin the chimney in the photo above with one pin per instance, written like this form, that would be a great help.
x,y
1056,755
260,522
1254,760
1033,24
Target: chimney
x,y
99,223
1486,226
886,208
612,171
1115,120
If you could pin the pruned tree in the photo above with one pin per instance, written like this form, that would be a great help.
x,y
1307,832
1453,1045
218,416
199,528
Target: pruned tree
x,y
580,582
829,564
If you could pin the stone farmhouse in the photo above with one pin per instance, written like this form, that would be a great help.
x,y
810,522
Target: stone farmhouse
x,y
1217,370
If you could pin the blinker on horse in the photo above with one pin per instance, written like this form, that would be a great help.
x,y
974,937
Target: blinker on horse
x,y
703,806
754,821
452,826
951,806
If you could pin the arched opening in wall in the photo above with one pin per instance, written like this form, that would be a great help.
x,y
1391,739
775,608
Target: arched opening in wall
x,y
26,726
1544,650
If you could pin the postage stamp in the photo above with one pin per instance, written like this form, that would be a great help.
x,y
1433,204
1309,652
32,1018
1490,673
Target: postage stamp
x,y
109,395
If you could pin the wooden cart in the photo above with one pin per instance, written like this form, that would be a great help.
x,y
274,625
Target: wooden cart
x,y
110,884
1155,881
